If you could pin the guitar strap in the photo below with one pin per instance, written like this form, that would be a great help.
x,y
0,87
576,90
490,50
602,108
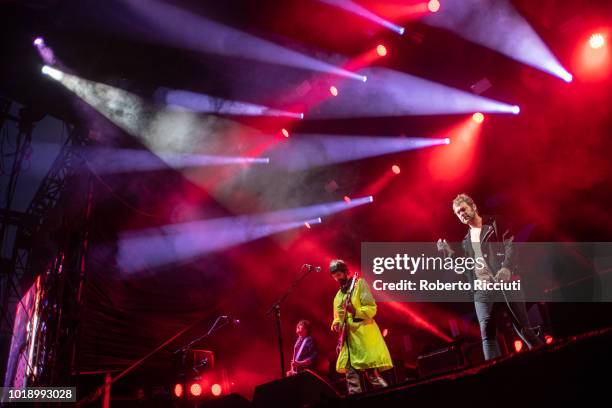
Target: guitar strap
x,y
297,355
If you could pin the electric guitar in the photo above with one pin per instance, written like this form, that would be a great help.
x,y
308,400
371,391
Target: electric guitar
x,y
343,325
296,369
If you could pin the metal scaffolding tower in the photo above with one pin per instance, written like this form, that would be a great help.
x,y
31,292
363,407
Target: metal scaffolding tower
x,y
50,245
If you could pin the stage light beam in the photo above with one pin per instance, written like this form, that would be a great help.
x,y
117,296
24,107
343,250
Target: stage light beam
x,y
591,59
597,40
456,160
361,11
315,150
114,160
566,76
195,389
151,248
417,320
381,50
178,27
478,117
518,345
433,6
308,224
52,72
203,103
500,27
393,93
216,390
45,52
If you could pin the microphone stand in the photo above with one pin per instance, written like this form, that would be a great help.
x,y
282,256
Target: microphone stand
x,y
215,326
276,309
210,331
97,393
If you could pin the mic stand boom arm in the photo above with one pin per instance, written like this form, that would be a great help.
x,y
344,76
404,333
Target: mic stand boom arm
x,y
215,326
276,309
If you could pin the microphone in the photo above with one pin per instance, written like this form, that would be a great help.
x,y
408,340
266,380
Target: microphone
x,y
310,267
231,320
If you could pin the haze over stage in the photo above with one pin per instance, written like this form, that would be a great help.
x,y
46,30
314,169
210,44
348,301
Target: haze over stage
x,y
169,168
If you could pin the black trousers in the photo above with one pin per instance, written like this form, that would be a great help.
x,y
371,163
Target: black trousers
x,y
489,316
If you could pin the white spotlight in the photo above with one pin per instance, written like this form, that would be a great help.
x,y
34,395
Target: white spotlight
x,y
516,109
52,72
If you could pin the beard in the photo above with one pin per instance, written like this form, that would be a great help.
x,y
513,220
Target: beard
x,y
343,284
469,217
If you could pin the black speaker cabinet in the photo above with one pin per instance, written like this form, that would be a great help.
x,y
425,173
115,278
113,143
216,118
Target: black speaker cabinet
x,y
305,388
228,401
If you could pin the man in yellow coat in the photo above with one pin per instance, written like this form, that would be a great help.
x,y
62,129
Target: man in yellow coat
x,y
363,350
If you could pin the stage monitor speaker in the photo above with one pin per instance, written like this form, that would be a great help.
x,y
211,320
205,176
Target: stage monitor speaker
x,y
305,388
440,361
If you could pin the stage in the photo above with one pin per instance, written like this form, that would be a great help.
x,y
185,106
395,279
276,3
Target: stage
x,y
402,197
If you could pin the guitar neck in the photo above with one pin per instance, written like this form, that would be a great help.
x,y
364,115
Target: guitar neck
x,y
349,294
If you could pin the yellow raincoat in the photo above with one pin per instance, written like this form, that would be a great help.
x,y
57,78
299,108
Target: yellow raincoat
x,y
366,344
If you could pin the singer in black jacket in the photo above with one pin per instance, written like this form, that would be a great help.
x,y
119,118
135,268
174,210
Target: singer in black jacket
x,y
491,239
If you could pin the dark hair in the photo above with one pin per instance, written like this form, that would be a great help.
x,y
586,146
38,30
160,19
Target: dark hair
x,y
338,265
306,324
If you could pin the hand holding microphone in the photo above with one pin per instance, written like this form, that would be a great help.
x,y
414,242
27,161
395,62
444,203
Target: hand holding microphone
x,y
311,267
443,246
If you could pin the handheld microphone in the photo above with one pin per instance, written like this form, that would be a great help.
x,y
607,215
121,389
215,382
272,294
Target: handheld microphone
x,y
310,267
